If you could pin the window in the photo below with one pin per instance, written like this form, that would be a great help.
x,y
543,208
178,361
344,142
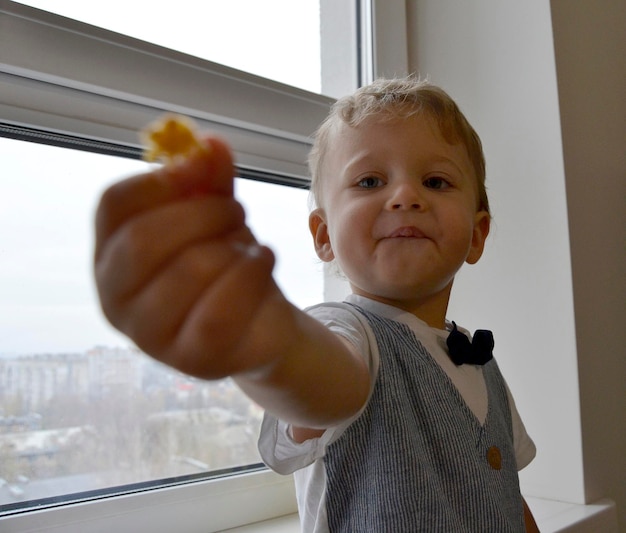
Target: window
x,y
103,90
81,410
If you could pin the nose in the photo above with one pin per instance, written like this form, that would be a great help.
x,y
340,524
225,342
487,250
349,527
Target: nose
x,y
406,195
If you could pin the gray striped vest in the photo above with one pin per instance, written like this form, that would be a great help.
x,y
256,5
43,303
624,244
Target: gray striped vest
x,y
418,460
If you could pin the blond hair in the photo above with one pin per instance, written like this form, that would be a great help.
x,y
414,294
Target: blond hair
x,y
401,97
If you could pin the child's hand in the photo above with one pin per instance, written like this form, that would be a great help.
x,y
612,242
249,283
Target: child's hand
x,y
179,272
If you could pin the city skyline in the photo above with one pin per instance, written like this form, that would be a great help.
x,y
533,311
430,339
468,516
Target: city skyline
x,y
111,417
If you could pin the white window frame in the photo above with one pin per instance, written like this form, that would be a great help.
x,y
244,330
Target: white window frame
x,y
208,506
63,76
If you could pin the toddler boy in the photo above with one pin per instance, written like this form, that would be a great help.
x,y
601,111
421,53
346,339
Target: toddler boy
x,y
384,431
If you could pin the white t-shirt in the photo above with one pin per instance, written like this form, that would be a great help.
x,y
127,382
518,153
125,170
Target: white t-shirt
x,y
281,453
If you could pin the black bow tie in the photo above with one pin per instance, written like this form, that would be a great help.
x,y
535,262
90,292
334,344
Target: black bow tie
x,y
477,352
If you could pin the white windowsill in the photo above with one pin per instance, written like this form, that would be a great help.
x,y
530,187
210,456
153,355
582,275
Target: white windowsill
x,y
562,517
552,517
284,524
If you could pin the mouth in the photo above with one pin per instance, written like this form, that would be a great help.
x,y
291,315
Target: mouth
x,y
406,232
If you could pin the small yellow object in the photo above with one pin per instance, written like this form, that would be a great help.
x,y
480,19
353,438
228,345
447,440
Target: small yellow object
x,y
169,138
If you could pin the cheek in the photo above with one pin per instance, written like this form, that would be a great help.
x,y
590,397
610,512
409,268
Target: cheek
x,y
459,231
349,232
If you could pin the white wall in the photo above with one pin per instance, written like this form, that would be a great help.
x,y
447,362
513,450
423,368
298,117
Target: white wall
x,y
556,182
590,45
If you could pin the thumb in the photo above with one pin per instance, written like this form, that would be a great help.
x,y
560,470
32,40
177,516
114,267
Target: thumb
x,y
209,170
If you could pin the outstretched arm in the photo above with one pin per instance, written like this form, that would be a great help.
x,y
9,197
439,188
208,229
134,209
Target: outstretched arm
x,y
180,273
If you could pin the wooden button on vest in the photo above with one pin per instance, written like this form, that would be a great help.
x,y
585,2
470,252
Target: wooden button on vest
x,y
494,458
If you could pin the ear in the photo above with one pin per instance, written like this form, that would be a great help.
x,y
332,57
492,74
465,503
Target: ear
x,y
482,223
321,239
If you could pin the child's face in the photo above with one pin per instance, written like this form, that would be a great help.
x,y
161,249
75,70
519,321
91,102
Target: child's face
x,y
400,211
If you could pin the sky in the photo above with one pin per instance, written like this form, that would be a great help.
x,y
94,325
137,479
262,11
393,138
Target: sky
x,y
47,297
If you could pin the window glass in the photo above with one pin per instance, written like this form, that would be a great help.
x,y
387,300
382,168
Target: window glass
x,y
80,408
276,39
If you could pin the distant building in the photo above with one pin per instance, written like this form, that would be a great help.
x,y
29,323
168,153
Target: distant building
x,y
35,379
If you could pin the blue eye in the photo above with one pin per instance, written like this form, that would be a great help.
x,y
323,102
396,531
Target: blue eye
x,y
370,182
436,183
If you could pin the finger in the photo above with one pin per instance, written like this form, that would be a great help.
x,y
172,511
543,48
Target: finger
x,y
223,316
209,171
154,316
139,249
206,172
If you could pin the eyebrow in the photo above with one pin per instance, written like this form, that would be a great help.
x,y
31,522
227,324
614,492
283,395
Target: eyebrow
x,y
442,159
365,156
